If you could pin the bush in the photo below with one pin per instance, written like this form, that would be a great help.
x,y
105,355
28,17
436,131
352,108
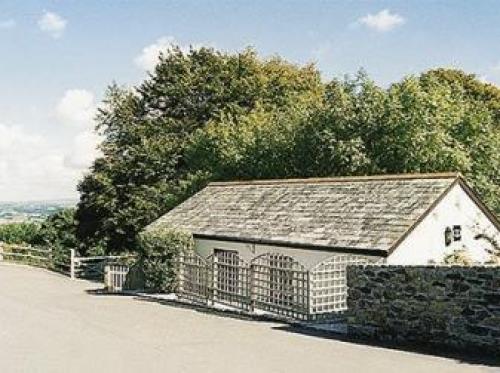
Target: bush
x,y
458,257
159,254
19,233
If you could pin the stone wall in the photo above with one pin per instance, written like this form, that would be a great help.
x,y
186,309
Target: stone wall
x,y
457,307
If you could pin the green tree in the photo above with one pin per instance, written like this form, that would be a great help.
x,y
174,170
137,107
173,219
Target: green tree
x,y
144,170
59,229
207,115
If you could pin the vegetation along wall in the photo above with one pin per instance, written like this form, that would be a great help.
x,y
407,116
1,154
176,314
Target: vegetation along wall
x,y
456,306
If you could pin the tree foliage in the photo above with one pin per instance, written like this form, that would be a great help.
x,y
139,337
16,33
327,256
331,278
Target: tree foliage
x,y
57,230
207,115
19,233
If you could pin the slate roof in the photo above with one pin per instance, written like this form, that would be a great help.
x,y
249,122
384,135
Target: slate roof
x,y
351,213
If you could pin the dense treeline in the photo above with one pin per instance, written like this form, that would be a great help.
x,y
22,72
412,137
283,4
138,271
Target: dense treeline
x,y
208,115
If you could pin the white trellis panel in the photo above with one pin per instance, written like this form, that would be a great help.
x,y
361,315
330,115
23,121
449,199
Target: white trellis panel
x,y
194,274
328,283
230,283
280,285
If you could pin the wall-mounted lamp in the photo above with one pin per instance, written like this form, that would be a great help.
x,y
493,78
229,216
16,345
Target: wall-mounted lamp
x,y
447,236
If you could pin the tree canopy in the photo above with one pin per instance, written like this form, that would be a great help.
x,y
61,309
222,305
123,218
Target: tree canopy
x,y
207,115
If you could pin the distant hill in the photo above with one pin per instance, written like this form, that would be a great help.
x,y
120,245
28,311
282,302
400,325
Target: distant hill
x,y
11,212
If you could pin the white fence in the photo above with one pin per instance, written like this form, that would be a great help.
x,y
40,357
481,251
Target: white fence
x,y
67,261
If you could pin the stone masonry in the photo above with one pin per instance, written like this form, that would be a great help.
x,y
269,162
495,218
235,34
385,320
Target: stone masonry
x,y
457,307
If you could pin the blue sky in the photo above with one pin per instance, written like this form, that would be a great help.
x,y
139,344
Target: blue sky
x,y
57,57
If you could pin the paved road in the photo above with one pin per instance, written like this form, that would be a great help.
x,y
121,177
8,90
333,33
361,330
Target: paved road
x,y
48,323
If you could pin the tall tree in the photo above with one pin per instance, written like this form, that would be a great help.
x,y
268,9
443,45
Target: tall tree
x,y
143,171
207,115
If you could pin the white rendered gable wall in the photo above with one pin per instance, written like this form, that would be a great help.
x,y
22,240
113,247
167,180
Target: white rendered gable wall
x,y
426,243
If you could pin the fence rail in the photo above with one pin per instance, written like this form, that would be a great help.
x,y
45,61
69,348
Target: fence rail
x,y
63,261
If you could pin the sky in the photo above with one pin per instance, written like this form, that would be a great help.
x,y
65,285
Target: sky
x,y
57,58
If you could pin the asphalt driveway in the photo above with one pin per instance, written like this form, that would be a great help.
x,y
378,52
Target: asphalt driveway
x,y
49,323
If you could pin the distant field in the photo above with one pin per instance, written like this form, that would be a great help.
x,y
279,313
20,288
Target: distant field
x,y
31,211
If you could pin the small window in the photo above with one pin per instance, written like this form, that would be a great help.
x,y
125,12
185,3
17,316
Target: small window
x,y
457,233
447,236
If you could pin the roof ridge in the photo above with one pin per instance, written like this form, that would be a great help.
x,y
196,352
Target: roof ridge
x,y
339,179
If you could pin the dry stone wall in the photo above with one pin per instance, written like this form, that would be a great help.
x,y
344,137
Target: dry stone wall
x,y
457,307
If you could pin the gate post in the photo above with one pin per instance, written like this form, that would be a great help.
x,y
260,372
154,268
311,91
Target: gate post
x,y
251,288
211,276
72,264
180,274
309,293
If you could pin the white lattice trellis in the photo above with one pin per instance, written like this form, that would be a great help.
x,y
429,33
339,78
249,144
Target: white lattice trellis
x,y
328,284
230,283
280,285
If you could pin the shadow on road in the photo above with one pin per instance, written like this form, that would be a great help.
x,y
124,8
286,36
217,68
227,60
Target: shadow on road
x,y
188,306
476,357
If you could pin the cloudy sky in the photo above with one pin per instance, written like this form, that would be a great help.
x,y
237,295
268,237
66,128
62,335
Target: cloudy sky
x,y
57,57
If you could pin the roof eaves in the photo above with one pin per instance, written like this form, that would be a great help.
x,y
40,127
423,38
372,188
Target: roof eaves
x,y
294,245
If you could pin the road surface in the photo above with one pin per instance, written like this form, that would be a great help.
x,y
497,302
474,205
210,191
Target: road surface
x,y
49,323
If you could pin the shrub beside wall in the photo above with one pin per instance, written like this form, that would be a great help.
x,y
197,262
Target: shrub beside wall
x,y
457,306
159,255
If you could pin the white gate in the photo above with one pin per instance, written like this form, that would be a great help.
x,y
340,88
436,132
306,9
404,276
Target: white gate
x,y
115,277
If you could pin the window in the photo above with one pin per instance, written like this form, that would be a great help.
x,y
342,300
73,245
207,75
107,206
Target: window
x,y
457,233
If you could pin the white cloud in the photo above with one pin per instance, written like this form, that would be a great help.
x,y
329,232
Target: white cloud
x,y
84,151
52,23
483,78
32,169
150,54
76,108
7,24
382,21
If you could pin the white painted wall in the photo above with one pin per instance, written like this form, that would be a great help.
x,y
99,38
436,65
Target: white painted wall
x,y
309,258
426,243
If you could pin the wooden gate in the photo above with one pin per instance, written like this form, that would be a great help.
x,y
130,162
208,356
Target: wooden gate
x,y
194,274
230,283
115,277
280,285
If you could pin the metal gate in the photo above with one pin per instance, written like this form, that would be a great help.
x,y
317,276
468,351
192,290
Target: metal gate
x,y
280,285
